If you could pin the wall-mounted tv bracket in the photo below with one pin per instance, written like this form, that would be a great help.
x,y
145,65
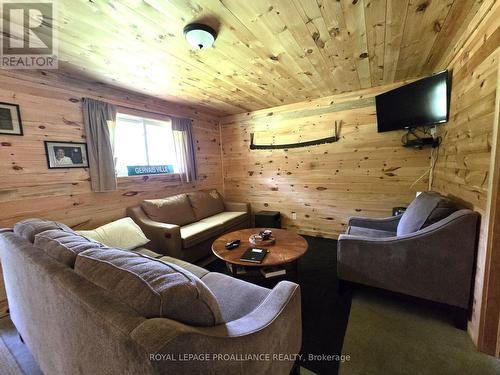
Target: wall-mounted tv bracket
x,y
412,139
331,139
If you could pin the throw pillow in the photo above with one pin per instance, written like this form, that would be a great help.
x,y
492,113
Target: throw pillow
x,y
122,234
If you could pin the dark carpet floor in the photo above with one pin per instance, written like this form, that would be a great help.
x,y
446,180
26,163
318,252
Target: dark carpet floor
x,y
324,313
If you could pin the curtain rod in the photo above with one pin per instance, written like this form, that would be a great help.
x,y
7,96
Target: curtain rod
x,y
141,110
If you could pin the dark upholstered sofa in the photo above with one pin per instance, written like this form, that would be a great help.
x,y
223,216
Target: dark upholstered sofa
x,y
84,308
427,252
184,226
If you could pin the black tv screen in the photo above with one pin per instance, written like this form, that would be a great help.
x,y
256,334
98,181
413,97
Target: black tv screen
x,y
420,103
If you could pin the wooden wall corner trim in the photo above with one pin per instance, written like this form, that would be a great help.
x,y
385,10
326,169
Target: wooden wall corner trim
x,y
221,147
464,169
489,323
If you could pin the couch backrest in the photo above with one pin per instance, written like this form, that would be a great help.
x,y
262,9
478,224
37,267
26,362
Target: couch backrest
x,y
182,209
56,310
29,228
206,203
154,288
64,246
427,208
170,210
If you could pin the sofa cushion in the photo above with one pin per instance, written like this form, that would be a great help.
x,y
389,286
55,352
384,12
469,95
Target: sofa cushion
x,y
171,210
123,234
426,209
155,289
195,233
29,228
368,232
194,269
64,246
236,298
226,219
206,203
147,252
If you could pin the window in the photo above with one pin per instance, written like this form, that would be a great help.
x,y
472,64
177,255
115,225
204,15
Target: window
x,y
142,141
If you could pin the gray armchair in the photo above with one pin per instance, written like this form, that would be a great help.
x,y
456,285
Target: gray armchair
x,y
428,252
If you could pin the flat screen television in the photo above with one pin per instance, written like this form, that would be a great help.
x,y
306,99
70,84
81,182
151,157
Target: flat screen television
x,y
421,103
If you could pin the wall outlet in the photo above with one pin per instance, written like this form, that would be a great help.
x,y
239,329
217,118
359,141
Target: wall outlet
x,y
294,215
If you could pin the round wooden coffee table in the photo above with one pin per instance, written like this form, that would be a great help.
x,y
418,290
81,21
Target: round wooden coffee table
x,y
289,247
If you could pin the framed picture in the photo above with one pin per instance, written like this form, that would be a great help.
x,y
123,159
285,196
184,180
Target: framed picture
x,y
10,119
66,154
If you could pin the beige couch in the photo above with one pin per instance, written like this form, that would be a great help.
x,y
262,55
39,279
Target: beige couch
x,y
84,308
184,226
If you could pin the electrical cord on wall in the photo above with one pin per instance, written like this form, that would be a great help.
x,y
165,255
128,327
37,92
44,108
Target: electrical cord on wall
x,y
430,171
434,159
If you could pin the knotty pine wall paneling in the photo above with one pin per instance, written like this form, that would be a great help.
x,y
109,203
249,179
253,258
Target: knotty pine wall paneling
x,y
29,189
464,158
365,173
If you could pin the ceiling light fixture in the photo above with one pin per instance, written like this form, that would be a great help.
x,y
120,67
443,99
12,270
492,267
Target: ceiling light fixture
x,y
199,35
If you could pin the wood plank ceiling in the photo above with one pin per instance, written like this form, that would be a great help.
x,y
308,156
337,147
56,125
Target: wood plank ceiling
x,y
268,52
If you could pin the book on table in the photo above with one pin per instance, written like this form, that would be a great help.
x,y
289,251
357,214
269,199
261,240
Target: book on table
x,y
254,255
269,272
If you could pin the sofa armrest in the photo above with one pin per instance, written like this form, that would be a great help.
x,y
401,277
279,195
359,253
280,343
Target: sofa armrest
x,y
237,206
273,327
165,238
285,295
389,224
435,263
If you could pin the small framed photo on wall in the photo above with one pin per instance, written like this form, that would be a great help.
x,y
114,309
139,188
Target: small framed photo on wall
x,y
10,119
66,154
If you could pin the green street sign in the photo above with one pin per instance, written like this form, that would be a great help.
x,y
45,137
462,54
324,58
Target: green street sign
x,y
138,170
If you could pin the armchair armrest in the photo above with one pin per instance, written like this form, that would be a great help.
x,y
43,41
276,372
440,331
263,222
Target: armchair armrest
x,y
165,238
237,206
389,224
274,327
435,263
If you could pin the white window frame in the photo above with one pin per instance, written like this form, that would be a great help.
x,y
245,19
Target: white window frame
x,y
142,119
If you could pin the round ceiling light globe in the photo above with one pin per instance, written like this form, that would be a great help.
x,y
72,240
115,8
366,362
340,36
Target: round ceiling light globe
x,y
200,36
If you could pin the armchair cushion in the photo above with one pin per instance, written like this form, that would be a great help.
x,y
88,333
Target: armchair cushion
x,y
428,208
206,203
155,289
171,210
368,232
